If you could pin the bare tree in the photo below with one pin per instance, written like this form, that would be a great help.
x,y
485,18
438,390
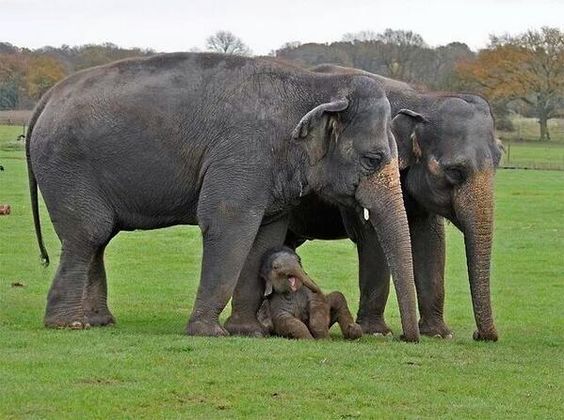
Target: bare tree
x,y
361,36
226,42
404,53
401,38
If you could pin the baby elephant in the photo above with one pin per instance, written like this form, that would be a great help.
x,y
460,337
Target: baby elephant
x,y
296,311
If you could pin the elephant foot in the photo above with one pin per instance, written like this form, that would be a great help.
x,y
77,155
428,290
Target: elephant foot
x,y
205,328
59,316
249,327
490,335
60,323
352,331
437,329
100,318
376,327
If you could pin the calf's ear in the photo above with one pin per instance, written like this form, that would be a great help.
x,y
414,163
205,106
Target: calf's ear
x,y
404,126
267,287
321,120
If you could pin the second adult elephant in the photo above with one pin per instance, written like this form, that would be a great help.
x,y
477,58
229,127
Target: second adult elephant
x,y
228,143
448,155
447,158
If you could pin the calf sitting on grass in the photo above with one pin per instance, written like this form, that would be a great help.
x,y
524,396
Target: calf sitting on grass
x,y
295,311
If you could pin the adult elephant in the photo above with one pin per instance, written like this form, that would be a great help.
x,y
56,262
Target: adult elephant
x,y
228,143
447,156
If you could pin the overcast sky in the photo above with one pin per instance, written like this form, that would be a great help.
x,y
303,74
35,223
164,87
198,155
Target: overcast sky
x,y
174,25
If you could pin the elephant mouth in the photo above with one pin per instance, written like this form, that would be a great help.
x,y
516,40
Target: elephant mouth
x,y
293,281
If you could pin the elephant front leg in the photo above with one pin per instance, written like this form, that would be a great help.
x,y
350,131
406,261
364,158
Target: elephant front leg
x,y
248,295
373,276
428,245
229,224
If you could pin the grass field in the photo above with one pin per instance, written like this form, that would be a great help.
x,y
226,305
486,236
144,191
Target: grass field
x,y
523,150
144,367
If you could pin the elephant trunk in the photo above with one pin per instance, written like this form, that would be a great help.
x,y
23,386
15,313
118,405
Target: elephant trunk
x,y
305,279
381,196
474,206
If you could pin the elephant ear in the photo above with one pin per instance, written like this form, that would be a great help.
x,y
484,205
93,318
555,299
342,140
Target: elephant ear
x,y
404,125
497,149
267,286
317,145
483,106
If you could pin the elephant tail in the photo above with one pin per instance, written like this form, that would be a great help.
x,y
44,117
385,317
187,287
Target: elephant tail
x,y
33,181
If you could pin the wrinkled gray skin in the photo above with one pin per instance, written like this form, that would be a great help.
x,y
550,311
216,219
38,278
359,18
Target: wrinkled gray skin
x,y
447,161
224,142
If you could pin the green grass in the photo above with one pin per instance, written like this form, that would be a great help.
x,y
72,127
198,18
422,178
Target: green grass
x,y
145,367
9,138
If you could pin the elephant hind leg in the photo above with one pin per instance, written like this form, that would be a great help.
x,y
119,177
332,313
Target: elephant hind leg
x,y
95,296
83,237
291,327
65,298
319,315
341,314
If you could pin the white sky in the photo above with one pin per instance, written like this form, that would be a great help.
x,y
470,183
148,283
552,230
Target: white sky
x,y
174,25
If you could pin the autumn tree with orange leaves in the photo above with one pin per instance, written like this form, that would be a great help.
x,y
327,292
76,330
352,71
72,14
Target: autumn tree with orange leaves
x,y
26,76
528,67
42,73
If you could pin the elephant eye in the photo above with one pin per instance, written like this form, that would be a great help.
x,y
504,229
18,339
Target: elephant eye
x,y
455,174
371,161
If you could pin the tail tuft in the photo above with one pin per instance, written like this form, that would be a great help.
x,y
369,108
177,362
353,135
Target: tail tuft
x,y
45,260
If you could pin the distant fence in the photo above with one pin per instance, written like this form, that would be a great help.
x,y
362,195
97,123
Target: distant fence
x,y
547,156
15,117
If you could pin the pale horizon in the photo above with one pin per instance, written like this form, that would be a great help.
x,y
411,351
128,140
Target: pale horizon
x,y
263,26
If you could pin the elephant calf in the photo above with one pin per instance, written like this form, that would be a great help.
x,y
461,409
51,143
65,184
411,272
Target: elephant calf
x,y
296,311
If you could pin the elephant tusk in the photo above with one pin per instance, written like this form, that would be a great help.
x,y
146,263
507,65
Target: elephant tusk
x,y
366,214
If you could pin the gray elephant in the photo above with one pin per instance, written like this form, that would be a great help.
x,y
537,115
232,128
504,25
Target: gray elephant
x,y
447,154
295,307
232,144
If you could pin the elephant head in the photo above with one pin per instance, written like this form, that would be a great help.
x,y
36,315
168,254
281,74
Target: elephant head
x,y
353,162
282,272
448,160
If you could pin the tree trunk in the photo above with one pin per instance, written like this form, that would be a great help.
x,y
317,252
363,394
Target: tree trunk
x,y
543,122
543,113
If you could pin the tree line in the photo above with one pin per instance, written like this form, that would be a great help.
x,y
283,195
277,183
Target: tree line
x,y
521,73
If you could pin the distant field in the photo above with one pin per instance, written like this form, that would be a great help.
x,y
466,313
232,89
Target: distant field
x,y
527,129
145,367
524,150
9,138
